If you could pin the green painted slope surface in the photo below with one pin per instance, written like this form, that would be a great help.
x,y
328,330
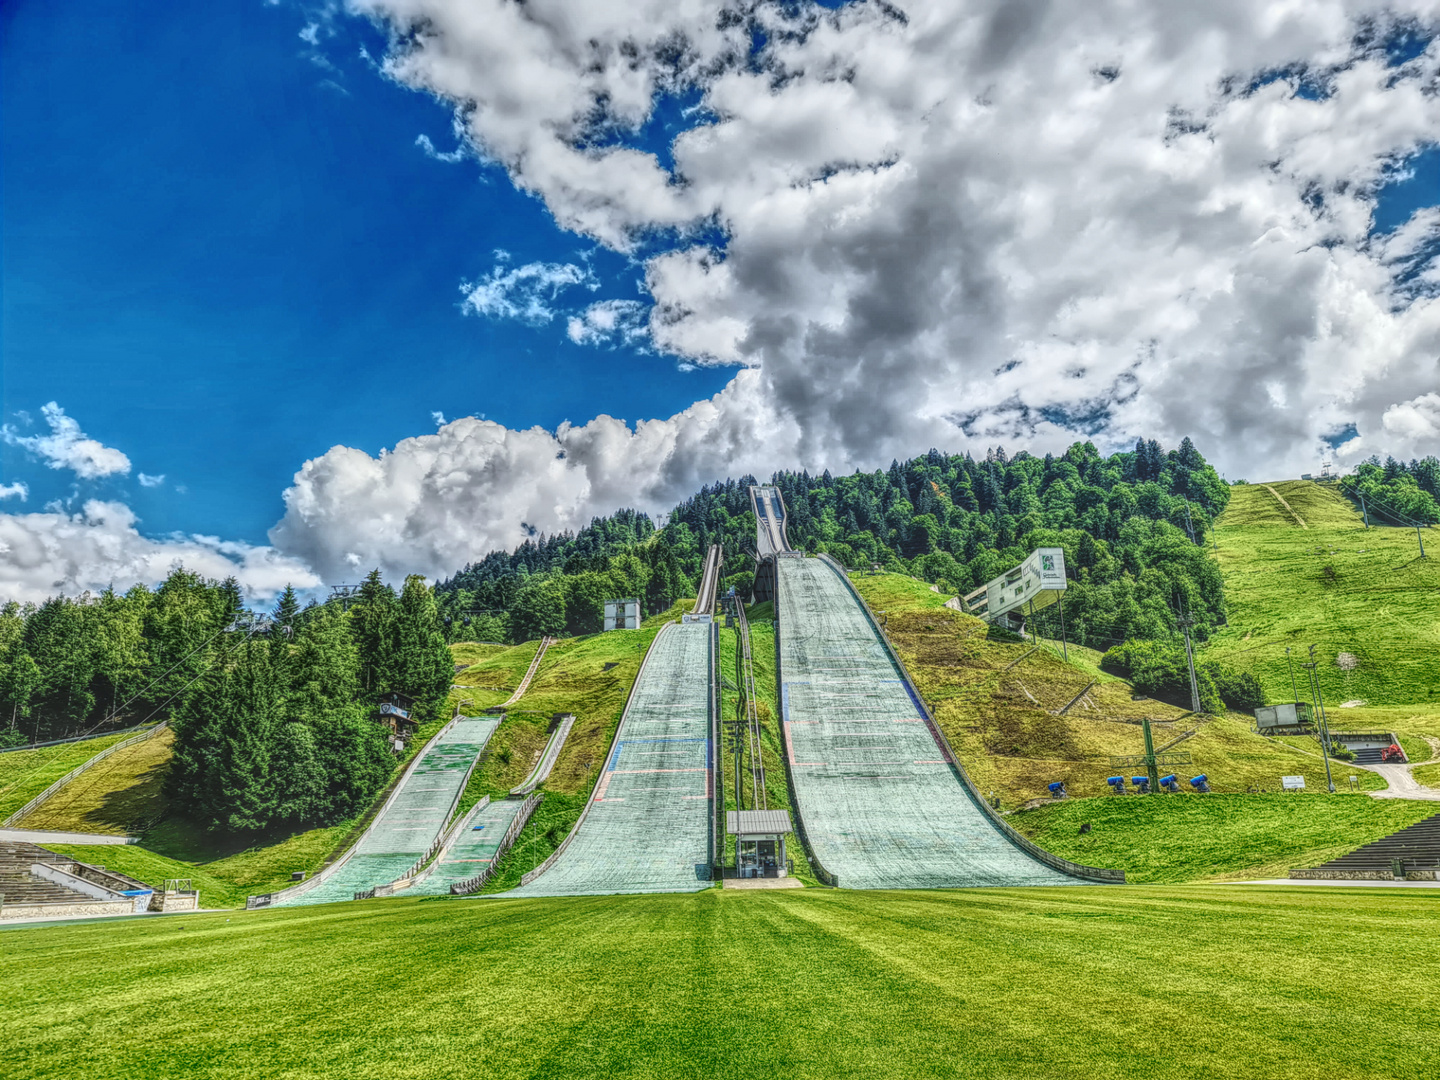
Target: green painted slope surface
x,y
1208,981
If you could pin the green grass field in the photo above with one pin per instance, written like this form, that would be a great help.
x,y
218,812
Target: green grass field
x,y
26,773
1173,838
1333,584
1201,981
118,796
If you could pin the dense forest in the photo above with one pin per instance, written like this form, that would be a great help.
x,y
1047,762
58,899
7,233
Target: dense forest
x,y
272,717
1398,492
1133,526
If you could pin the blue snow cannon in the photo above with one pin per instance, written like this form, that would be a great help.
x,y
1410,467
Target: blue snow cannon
x,y
1200,783
1142,784
1117,785
1057,789
1169,783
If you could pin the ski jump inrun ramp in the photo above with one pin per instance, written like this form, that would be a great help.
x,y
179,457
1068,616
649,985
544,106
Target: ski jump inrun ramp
x,y
647,826
881,803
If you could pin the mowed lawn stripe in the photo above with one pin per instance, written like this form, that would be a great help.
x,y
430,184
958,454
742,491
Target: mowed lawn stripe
x,y
1183,981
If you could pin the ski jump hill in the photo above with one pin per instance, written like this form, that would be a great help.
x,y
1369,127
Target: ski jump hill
x,y
408,824
882,801
648,825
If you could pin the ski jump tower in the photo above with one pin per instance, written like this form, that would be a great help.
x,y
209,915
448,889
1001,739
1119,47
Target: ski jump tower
x,y
770,539
1036,583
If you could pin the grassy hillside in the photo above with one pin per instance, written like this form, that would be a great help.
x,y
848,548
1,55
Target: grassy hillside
x,y
1044,983
26,773
118,796
1184,838
996,698
1331,583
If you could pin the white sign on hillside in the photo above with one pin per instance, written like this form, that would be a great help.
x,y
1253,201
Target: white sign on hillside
x,y
1293,783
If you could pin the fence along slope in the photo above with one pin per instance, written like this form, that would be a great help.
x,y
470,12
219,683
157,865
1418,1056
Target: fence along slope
x,y
414,817
883,805
545,643
646,827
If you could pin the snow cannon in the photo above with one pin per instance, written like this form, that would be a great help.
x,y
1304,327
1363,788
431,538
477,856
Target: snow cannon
x,y
1117,785
1200,783
1142,784
1057,790
1169,783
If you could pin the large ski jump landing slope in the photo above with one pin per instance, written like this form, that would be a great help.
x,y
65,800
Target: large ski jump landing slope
x,y
647,826
881,806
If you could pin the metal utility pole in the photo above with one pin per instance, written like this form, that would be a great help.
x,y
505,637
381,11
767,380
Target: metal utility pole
x,y
1320,708
1422,541
737,749
1363,512
1294,690
1185,623
1152,768
1064,649
1189,525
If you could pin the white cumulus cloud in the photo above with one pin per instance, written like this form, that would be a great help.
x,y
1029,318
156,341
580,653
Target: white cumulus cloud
x,y
67,447
18,490
45,554
610,322
146,480
526,293
956,224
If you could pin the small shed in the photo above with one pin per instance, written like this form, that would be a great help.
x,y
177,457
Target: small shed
x,y
397,712
759,842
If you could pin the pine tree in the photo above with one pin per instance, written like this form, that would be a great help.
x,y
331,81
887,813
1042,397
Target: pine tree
x,y
424,666
373,623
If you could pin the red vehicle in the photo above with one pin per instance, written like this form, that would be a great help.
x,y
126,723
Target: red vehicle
x,y
1392,753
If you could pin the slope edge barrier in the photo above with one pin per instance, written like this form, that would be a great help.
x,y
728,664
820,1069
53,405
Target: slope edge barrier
x,y
470,885
1024,843
546,765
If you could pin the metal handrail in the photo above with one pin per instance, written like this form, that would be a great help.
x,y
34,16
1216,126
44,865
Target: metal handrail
x,y
1024,843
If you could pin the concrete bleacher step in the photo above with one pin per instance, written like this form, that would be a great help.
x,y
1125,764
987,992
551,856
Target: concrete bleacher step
x,y
20,887
1418,846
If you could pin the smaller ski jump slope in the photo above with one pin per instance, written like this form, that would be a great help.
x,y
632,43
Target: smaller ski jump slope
x,y
472,852
882,807
416,815
646,827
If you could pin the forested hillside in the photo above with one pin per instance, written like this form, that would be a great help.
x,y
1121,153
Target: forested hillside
x,y
272,722
1133,526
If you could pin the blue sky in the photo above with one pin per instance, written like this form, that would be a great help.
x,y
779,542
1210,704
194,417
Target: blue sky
x,y
223,258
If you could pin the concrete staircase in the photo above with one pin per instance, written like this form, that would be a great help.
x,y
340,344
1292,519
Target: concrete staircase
x,y
1417,849
28,895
